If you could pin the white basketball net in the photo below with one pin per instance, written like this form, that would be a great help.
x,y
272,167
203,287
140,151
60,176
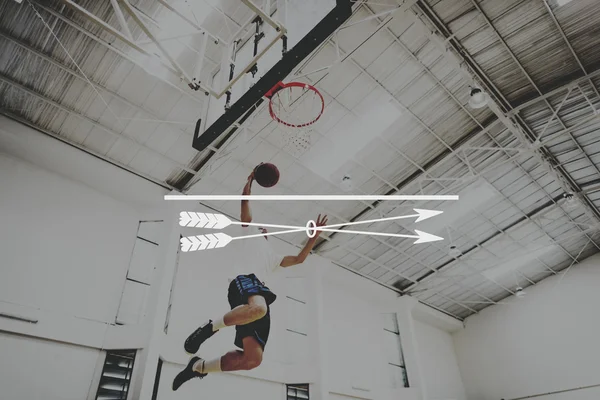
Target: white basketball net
x,y
296,108
296,140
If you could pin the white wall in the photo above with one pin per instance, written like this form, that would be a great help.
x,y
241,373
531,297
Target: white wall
x,y
68,224
33,369
65,248
357,361
51,154
544,342
441,375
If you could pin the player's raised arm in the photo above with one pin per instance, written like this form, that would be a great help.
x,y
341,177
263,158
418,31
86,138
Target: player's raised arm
x,y
289,261
246,215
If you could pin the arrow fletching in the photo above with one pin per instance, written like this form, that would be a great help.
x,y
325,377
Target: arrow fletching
x,y
205,242
190,219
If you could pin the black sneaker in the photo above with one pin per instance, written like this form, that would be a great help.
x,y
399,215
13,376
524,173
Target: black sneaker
x,y
199,336
187,374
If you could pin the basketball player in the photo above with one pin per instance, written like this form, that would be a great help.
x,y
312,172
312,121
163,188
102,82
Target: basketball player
x,y
249,299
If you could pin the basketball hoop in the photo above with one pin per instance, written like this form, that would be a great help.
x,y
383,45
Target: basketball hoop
x,y
296,107
295,104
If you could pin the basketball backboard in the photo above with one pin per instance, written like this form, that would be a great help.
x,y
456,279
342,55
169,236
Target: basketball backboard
x,y
276,39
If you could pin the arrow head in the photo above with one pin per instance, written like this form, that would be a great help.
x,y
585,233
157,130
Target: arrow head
x,y
425,237
426,214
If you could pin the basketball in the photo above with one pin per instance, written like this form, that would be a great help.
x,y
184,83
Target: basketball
x,y
266,175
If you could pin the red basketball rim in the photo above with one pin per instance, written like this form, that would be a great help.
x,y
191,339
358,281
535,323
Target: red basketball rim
x,y
281,86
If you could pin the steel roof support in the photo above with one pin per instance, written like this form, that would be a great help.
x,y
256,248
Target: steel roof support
x,y
117,51
121,19
562,33
77,114
543,155
79,76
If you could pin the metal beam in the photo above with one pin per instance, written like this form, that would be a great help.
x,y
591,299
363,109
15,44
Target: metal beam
x,y
79,76
121,19
553,92
564,179
190,22
94,19
182,74
117,51
592,208
75,113
264,15
562,33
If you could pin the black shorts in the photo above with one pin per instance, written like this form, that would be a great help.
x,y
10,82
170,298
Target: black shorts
x,y
240,289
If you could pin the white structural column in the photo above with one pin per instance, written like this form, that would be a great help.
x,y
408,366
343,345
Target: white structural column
x,y
408,339
320,389
158,303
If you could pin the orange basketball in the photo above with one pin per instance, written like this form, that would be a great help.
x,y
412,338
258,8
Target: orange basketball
x,y
266,175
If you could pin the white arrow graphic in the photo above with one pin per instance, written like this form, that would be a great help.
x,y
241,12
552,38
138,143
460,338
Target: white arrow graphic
x,y
205,242
425,237
220,221
422,237
426,214
421,214
203,220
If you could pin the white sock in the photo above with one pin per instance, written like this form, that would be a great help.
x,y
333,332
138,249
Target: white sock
x,y
204,367
218,324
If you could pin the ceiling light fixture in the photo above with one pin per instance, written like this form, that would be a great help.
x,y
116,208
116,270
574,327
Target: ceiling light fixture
x,y
570,201
454,252
477,98
346,183
519,292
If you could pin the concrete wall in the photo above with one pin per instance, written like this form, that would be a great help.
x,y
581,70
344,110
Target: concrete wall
x,y
544,342
68,227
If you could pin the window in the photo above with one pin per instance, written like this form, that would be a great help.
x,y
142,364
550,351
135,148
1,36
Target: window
x,y
140,273
393,349
116,375
297,392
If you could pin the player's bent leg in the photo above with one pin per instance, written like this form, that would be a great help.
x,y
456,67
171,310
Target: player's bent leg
x,y
247,313
249,359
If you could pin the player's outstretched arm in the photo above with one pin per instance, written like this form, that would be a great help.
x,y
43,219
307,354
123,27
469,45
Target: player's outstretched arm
x,y
246,215
289,261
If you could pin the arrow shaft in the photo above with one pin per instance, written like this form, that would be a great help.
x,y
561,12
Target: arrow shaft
x,y
372,221
268,234
369,233
327,226
267,225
